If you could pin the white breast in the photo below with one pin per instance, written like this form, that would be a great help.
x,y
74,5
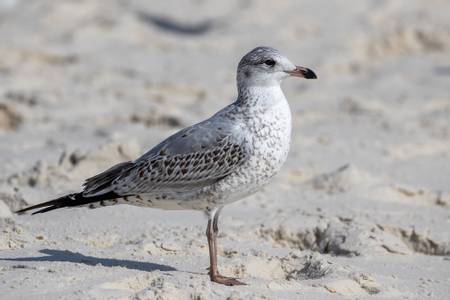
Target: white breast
x,y
268,127
271,133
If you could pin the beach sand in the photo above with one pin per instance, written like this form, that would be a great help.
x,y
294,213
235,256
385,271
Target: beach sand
x,y
360,210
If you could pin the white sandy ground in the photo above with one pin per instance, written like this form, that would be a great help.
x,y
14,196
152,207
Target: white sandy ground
x,y
361,210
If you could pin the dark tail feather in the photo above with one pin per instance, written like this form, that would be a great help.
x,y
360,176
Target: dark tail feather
x,y
70,200
103,181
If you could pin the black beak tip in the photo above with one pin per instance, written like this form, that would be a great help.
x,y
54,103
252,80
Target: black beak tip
x,y
309,74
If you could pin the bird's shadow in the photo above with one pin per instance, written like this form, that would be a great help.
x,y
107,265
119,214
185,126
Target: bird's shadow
x,y
68,256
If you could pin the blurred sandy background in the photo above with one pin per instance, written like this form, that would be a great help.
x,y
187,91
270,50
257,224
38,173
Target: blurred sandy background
x,y
361,209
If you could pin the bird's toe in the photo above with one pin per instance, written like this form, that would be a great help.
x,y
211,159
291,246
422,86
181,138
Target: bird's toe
x,y
229,281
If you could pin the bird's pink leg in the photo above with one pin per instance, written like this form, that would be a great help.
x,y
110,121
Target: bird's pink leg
x,y
211,234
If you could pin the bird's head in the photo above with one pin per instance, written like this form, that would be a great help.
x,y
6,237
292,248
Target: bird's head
x,y
265,66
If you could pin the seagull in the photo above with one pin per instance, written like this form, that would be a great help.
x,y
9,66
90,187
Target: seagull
x,y
220,160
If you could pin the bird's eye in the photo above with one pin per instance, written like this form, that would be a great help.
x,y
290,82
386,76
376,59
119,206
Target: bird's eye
x,y
270,62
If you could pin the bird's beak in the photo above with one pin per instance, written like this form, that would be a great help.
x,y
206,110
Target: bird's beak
x,y
302,72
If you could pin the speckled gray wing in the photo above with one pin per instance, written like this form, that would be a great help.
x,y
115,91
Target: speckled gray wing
x,y
193,158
